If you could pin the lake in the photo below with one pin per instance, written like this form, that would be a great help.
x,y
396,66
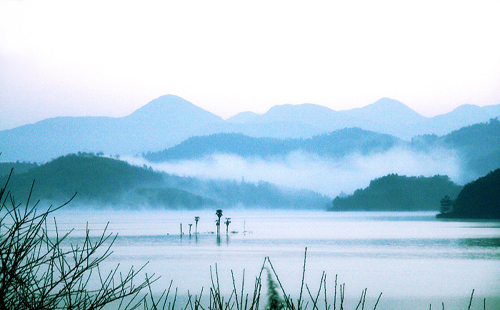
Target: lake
x,y
412,258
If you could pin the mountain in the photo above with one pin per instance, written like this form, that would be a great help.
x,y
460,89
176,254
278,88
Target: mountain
x,y
169,120
334,145
387,116
243,117
279,129
478,146
161,123
398,193
462,116
311,114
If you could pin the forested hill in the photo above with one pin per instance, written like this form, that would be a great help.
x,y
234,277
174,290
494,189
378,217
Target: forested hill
x,y
479,199
93,178
399,193
19,167
106,182
335,144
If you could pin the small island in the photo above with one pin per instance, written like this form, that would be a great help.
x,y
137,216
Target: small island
x,y
479,199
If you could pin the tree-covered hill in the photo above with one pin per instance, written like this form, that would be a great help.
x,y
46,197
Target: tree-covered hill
x,y
95,179
479,199
19,167
399,193
335,144
101,181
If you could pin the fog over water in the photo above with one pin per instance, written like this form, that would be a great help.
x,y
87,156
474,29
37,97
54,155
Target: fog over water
x,y
309,171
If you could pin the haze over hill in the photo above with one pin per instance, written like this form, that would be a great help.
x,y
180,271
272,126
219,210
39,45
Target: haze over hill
x,y
341,161
106,182
169,120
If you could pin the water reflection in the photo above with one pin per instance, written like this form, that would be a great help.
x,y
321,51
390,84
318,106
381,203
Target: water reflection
x,y
493,243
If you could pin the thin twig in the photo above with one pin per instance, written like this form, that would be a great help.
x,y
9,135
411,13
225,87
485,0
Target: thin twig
x,y
470,301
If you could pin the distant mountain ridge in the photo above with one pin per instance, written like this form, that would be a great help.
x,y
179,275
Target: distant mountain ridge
x,y
333,145
169,120
386,116
161,123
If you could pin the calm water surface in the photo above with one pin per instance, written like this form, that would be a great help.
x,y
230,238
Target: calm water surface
x,y
404,255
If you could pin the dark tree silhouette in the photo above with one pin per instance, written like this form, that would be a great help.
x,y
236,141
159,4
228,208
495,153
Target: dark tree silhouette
x,y
446,204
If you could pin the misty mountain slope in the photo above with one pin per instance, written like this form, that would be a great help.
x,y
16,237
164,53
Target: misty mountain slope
x,y
261,195
106,182
385,116
239,144
336,144
462,116
348,141
477,145
161,123
279,130
399,193
308,113
170,113
388,116
169,120
52,137
387,109
242,117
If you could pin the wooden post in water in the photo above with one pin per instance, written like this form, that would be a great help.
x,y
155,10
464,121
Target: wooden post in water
x,y
217,221
196,219
227,222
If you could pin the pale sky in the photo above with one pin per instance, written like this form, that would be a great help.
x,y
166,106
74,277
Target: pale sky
x,y
76,58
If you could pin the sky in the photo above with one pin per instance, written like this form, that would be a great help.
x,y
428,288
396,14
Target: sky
x,y
109,58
